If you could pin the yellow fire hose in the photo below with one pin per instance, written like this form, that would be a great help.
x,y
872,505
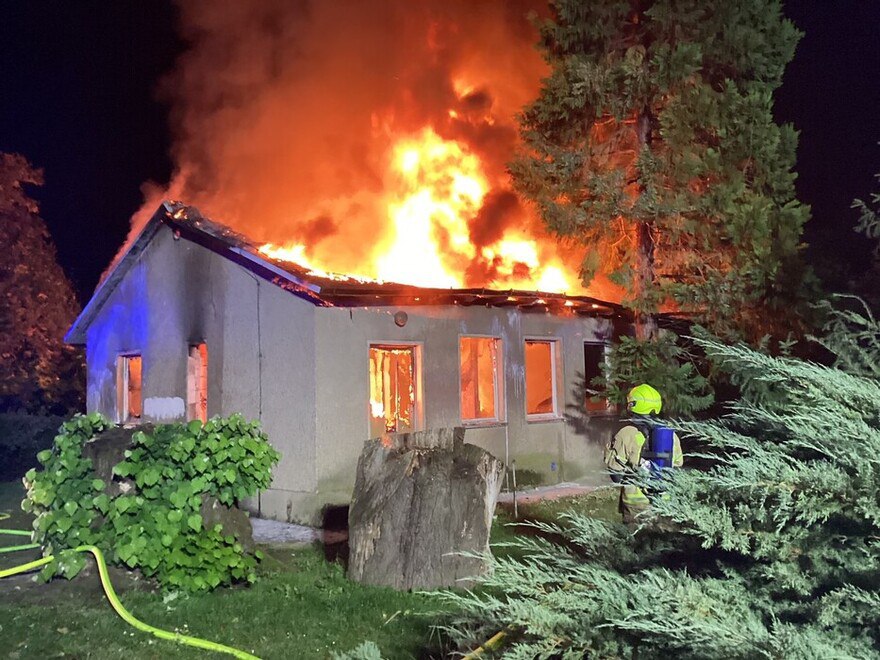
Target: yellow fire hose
x,y
489,645
114,599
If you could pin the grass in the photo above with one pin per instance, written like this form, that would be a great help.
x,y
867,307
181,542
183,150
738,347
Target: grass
x,y
303,606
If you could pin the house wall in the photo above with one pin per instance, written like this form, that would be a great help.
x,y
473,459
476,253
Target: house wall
x,y
304,371
544,451
261,352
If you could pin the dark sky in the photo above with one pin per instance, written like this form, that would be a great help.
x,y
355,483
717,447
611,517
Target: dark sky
x,y
78,98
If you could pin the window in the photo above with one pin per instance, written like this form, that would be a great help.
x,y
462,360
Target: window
x,y
197,383
480,361
595,358
394,389
128,388
541,378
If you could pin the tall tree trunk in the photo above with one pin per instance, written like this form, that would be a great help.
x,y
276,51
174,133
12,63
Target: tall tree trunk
x,y
645,321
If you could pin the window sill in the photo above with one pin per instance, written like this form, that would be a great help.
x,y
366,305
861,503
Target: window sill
x,y
482,424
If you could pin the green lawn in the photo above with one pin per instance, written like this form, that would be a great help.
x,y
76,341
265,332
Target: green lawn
x,y
302,607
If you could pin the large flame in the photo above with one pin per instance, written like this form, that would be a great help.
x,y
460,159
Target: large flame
x,y
438,187
366,139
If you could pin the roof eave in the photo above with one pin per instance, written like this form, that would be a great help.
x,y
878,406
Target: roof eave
x,y
76,335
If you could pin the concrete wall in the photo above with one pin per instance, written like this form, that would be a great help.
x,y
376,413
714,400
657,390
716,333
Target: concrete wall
x,y
546,451
304,371
261,352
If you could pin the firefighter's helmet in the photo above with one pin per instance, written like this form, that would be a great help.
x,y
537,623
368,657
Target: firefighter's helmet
x,y
644,400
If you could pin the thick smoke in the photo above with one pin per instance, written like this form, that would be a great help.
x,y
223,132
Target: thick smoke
x,y
284,112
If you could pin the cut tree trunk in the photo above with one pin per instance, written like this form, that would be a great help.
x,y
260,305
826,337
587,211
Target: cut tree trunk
x,y
421,499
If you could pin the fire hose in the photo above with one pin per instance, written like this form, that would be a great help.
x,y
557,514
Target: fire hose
x,y
113,598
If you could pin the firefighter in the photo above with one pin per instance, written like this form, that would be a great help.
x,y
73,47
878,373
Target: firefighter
x,y
623,455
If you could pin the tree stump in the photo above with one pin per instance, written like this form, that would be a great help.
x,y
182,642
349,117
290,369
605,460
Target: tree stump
x,y
419,500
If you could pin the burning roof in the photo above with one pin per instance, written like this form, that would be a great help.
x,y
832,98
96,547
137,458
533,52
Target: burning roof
x,y
320,288
340,290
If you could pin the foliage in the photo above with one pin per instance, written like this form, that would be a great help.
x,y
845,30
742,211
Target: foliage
x,y
869,217
772,552
662,363
40,374
652,144
851,336
156,527
21,437
365,651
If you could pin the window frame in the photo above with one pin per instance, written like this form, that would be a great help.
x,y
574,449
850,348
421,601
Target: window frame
x,y
500,417
555,381
123,402
418,384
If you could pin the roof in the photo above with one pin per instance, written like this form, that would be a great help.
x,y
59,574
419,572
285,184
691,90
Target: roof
x,y
319,289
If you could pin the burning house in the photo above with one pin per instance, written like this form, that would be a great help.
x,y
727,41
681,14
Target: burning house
x,y
371,139
193,320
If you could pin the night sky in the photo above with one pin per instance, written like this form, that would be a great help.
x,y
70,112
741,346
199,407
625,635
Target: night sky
x,y
79,99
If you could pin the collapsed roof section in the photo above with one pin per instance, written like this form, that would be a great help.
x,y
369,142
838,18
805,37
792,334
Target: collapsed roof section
x,y
319,288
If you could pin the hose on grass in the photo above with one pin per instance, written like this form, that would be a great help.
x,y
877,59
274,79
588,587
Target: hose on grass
x,y
489,645
126,616
16,548
15,532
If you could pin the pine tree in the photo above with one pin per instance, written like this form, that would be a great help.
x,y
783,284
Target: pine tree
x,y
772,552
40,373
652,143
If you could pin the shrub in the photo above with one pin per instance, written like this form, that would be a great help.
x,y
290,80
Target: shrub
x,y
155,527
772,552
660,362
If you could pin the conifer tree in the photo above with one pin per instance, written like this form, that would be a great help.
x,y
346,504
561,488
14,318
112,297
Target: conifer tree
x,y
652,143
39,372
772,552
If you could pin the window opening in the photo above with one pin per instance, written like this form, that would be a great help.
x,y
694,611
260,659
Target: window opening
x,y
197,383
480,363
540,377
595,358
128,388
393,389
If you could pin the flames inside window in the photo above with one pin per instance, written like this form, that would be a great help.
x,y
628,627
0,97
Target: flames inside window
x,y
540,381
479,378
392,389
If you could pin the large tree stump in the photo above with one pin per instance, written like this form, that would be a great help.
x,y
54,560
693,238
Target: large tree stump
x,y
419,500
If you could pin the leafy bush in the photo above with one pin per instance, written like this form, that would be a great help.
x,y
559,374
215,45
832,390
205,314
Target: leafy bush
x,y
772,552
660,362
156,526
21,437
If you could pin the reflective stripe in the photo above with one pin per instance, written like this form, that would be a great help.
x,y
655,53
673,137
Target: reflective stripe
x,y
633,495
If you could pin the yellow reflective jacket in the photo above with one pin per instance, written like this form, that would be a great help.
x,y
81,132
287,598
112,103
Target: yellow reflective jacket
x,y
623,454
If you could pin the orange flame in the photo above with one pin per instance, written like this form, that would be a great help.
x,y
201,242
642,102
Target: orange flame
x,y
354,153
438,185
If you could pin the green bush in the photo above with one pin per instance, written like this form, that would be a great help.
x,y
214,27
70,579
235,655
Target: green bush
x,y
21,437
155,527
661,362
772,551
